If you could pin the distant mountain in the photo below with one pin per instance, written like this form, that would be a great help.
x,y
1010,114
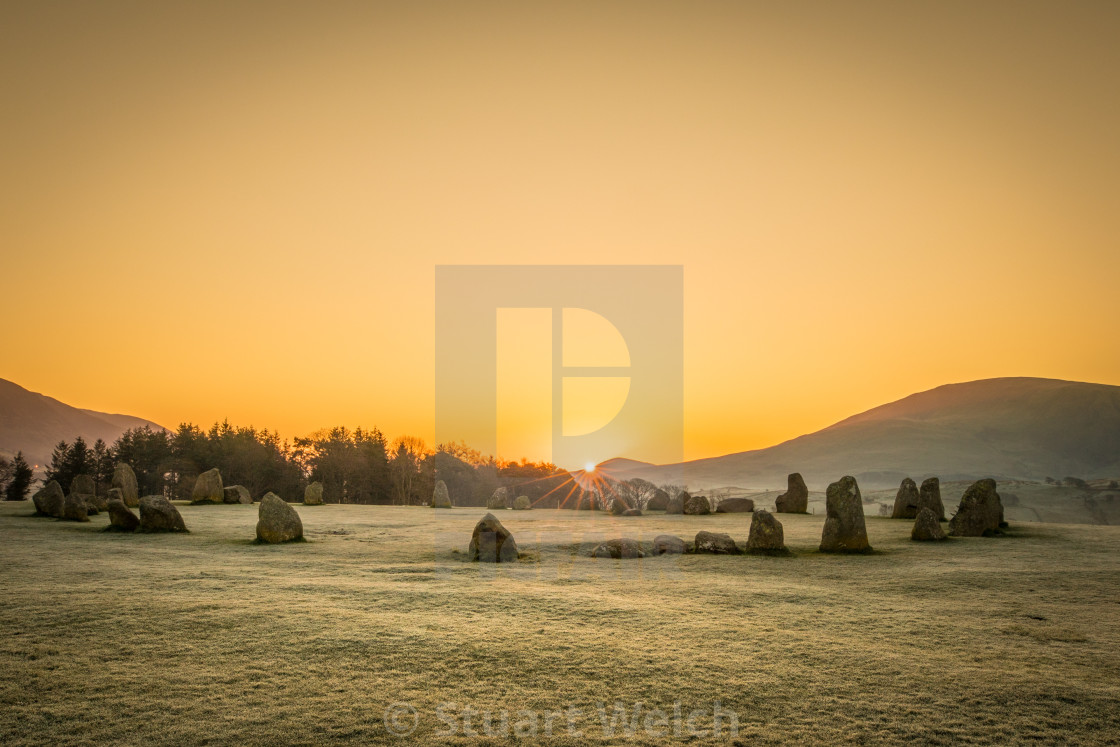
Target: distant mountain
x,y
33,423
1009,428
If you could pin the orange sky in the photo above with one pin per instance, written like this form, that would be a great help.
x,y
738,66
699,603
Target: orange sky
x,y
211,212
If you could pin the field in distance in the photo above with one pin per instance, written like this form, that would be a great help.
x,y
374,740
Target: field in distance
x,y
207,637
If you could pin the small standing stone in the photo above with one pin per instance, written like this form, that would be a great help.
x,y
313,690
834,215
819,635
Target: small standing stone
x,y
124,480
906,500
844,527
158,515
714,542
929,496
697,505
121,519
676,503
500,499
767,536
49,499
75,508
277,521
208,488
796,498
658,501
623,548
313,494
980,513
735,506
236,494
440,496
491,542
667,544
927,528
522,503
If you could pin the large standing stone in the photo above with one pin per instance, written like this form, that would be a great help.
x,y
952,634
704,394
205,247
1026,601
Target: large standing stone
x,y
236,494
124,480
522,503
735,506
121,519
906,500
980,513
313,494
667,544
714,542
277,521
844,527
697,505
676,503
796,498
658,501
75,508
926,527
502,498
48,500
158,515
440,496
767,536
83,484
929,496
623,548
491,542
208,488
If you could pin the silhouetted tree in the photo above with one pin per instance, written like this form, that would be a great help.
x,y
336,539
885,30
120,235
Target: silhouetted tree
x,y
19,481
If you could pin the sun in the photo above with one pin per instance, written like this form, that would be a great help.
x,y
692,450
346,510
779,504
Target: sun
x,y
589,467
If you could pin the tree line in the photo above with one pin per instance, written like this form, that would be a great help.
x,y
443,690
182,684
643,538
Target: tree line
x,y
354,466
15,478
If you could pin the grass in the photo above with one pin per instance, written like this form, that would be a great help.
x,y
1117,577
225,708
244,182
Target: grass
x,y
207,637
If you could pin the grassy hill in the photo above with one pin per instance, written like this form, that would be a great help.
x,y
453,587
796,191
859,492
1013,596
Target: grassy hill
x,y
206,637
1009,428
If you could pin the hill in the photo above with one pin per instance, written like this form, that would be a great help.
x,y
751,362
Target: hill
x,y
1007,428
33,423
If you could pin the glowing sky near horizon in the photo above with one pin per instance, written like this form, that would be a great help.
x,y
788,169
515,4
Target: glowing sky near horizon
x,y
233,210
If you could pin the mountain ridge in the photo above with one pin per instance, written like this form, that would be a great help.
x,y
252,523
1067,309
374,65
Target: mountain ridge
x,y
1011,428
33,423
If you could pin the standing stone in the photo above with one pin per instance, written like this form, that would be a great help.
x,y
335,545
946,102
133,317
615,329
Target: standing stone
x,y
502,498
124,480
844,527
714,542
83,484
158,515
491,542
49,499
667,544
980,513
929,496
120,518
906,500
236,494
277,521
658,502
313,494
623,548
697,505
74,508
95,503
676,503
796,498
522,503
927,528
208,488
440,497
767,536
735,506
619,506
